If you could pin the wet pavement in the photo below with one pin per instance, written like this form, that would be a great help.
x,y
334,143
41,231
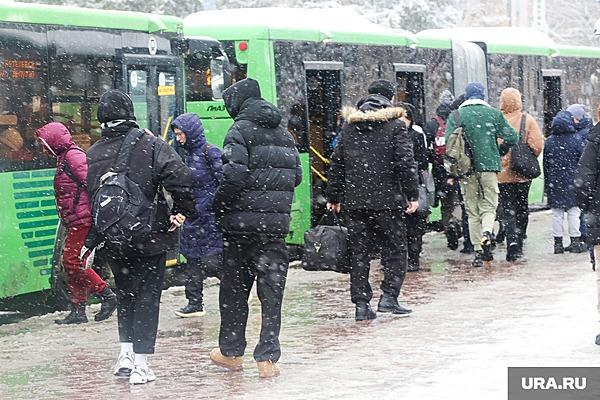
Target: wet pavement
x,y
468,326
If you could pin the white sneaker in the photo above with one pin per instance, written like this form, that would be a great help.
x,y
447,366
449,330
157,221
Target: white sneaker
x,y
124,365
141,375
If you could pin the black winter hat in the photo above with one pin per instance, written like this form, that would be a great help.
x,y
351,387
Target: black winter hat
x,y
382,87
114,105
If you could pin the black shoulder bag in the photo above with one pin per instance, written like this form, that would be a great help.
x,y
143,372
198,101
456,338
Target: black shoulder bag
x,y
522,159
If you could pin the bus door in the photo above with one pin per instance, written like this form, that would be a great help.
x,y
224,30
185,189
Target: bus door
x,y
410,87
155,84
552,91
324,103
469,65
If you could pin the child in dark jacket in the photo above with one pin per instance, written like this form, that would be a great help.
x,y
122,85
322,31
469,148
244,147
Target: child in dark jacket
x,y
562,151
201,240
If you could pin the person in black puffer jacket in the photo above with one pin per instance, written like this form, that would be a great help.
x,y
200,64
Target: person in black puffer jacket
x,y
261,168
139,270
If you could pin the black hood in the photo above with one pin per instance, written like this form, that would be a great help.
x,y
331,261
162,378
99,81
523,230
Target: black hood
x,y
373,102
235,95
115,105
259,111
444,111
594,135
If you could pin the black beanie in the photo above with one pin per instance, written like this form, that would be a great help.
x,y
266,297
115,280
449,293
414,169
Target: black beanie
x,y
382,87
114,105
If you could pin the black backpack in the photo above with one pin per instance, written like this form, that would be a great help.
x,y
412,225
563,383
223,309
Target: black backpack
x,y
122,213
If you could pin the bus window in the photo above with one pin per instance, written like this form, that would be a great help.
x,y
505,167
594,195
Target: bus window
x,y
217,78
23,106
410,87
206,70
75,86
238,70
137,89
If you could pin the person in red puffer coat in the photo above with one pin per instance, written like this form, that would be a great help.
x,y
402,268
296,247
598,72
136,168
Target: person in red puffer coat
x,y
75,212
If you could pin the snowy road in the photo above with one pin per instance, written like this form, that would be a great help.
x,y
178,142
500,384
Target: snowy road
x,y
467,327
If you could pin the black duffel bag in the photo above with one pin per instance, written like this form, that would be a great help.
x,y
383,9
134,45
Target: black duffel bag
x,y
325,247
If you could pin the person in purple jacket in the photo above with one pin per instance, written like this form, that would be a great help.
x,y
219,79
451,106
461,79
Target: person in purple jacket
x,y
201,240
75,212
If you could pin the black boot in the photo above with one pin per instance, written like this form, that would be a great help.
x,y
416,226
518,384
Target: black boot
x,y
413,266
109,303
488,245
577,245
388,303
452,235
76,316
478,260
467,248
558,245
512,252
364,312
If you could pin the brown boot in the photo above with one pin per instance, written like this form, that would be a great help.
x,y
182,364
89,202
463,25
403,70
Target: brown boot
x,y
268,369
232,363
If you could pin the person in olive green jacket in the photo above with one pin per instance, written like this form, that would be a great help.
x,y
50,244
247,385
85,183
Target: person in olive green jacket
x,y
489,136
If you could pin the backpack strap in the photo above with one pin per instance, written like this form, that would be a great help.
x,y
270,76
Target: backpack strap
x,y
123,160
207,162
67,170
457,119
522,128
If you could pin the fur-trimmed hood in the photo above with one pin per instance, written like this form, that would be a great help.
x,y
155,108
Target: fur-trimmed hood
x,y
352,115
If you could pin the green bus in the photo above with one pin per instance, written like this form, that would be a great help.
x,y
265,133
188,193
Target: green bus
x,y
55,62
309,62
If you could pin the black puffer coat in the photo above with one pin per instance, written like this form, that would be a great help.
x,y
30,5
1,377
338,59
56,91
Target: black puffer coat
x,y
587,184
153,163
373,165
261,167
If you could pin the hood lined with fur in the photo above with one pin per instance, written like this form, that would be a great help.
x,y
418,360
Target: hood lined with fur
x,y
352,115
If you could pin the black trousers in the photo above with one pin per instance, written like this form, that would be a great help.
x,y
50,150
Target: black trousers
x,y
515,210
416,225
139,282
388,228
197,270
246,259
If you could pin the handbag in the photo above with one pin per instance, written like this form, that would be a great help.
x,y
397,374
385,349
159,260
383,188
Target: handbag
x,y
522,159
426,192
325,247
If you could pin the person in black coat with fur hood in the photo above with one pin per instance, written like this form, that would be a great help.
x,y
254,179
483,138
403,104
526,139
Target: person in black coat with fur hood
x,y
261,168
139,270
372,173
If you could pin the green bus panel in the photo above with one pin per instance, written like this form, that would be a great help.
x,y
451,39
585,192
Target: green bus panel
x,y
301,207
27,230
